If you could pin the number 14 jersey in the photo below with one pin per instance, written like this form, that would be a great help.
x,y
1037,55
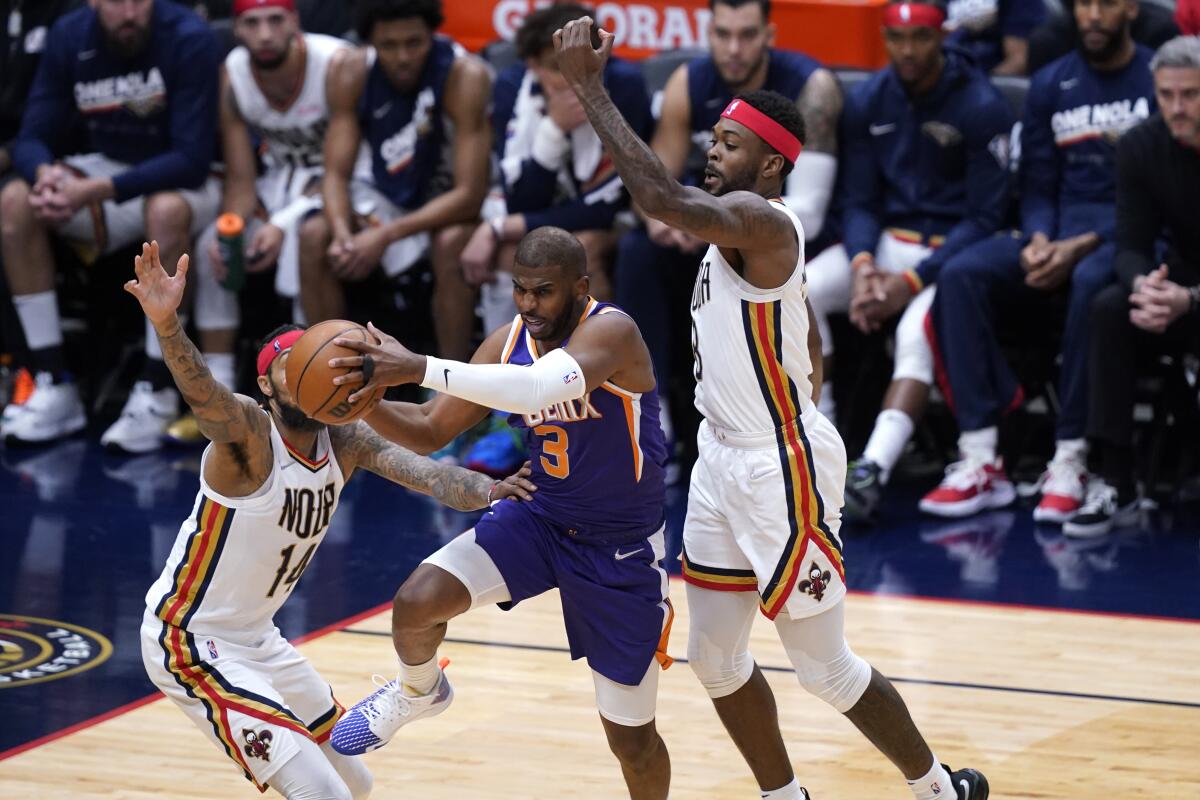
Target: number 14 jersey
x,y
236,560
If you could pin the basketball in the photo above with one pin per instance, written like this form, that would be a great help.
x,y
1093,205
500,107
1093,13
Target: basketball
x,y
310,378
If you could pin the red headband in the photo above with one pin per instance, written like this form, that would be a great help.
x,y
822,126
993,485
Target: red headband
x,y
242,6
273,348
904,15
767,129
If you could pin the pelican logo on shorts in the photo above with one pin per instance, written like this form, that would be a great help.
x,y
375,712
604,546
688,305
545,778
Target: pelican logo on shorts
x,y
33,650
258,745
817,583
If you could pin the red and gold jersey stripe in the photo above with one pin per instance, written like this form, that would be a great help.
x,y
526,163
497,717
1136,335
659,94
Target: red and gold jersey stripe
x,y
322,727
202,552
313,466
806,510
720,579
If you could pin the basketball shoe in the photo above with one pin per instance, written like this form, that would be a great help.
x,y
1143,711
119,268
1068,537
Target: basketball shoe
x,y
53,411
143,420
970,486
373,721
22,390
864,490
1063,485
969,784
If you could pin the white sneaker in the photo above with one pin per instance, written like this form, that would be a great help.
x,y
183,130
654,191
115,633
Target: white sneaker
x,y
144,420
373,721
1063,485
53,411
1101,512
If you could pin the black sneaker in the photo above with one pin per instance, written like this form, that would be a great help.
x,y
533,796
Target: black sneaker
x,y
969,784
863,490
1103,509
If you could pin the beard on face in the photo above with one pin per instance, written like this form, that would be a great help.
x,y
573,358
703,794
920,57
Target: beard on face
x,y
557,329
271,64
127,41
1111,46
291,415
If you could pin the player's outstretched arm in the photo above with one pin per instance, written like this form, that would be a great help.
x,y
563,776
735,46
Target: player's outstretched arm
x,y
224,417
739,220
359,446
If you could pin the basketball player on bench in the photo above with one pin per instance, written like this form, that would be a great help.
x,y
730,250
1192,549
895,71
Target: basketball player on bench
x,y
765,501
577,376
269,484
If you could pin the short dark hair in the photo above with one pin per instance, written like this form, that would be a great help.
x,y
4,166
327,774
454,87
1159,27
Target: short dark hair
x,y
536,34
765,5
369,12
548,246
780,109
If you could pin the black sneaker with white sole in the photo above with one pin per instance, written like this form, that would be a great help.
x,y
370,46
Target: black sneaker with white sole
x,y
1103,509
969,784
864,490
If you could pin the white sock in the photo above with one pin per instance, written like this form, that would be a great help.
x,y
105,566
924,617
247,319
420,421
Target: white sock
x,y
893,429
39,319
153,348
933,785
221,367
298,312
1071,450
979,445
789,792
419,679
825,405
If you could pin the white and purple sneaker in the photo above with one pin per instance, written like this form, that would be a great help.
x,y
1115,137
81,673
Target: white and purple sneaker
x,y
373,721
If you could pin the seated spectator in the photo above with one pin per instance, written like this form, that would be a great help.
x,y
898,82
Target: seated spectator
x,y
23,29
1076,110
1152,26
656,265
995,32
1153,310
553,168
273,93
419,102
925,166
142,76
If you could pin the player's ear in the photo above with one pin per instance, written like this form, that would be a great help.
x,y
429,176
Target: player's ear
x,y
773,167
264,386
583,286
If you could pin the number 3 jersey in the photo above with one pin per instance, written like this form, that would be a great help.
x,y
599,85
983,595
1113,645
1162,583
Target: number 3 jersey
x,y
599,461
236,560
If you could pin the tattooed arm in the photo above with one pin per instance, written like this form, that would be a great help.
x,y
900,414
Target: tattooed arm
x,y
234,423
737,220
358,445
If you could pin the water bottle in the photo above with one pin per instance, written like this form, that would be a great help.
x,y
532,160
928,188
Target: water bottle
x,y
231,229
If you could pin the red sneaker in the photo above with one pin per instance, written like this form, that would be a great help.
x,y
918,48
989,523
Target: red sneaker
x,y
1064,484
970,486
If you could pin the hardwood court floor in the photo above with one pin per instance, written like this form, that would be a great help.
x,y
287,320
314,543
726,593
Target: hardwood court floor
x,y
1048,704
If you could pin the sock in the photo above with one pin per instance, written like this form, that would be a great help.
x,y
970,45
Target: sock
x,y
419,679
979,445
933,785
1071,450
825,405
893,429
38,313
221,367
789,792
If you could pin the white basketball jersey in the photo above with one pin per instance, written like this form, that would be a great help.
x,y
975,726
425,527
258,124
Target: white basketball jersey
x,y
750,345
294,136
236,560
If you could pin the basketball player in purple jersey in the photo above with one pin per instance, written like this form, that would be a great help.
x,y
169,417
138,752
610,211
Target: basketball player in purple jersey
x,y
765,499
576,375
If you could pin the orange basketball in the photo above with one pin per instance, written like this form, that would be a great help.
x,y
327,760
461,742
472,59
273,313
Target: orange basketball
x,y
310,378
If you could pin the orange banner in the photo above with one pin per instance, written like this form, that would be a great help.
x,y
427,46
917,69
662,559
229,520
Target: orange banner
x,y
839,33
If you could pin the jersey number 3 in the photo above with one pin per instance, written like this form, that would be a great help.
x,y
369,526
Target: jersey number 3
x,y
554,450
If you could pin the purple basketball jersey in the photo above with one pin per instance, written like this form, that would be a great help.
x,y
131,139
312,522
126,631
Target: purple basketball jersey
x,y
599,461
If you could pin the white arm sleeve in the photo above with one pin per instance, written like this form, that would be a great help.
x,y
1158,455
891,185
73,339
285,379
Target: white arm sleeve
x,y
554,378
809,189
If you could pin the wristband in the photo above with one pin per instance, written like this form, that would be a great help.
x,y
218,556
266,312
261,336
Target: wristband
x,y
491,491
497,224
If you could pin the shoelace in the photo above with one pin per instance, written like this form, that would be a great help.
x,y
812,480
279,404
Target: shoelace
x,y
390,700
968,472
1100,497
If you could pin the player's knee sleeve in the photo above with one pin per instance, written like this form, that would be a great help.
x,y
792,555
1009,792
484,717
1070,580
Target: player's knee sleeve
x,y
216,307
840,682
721,673
914,355
352,771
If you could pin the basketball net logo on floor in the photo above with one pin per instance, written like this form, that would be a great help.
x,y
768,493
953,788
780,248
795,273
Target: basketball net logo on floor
x,y
33,650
